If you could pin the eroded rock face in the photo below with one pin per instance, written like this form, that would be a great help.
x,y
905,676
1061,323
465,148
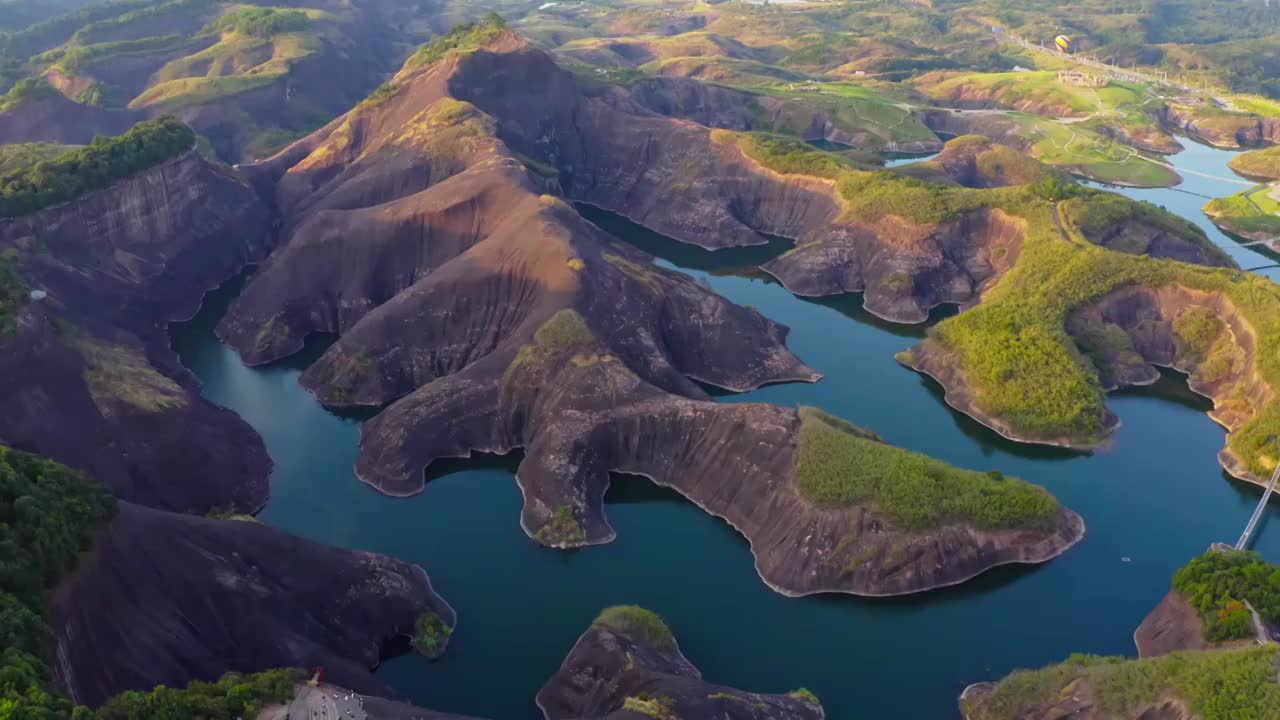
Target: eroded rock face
x,y
1172,626
87,377
169,598
580,413
57,119
1132,330
493,317
1223,130
611,675
905,269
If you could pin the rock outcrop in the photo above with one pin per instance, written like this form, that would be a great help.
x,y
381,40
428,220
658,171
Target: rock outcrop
x,y
492,316
1172,626
904,268
87,377
166,599
53,118
1132,330
1229,130
627,666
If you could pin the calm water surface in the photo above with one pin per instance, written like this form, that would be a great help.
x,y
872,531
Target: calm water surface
x,y
1152,500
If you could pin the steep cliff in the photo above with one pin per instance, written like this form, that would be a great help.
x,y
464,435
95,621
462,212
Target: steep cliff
x,y
86,375
627,666
166,599
1220,128
492,316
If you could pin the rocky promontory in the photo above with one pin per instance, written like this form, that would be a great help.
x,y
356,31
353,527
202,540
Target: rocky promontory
x,y
1221,128
424,231
86,375
627,666
173,598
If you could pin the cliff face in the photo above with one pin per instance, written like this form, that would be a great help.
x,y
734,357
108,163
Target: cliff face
x,y
905,269
1222,129
167,599
580,413
1132,330
87,377
615,675
492,317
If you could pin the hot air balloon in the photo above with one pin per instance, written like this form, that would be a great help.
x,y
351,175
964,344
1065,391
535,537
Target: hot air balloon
x,y
1063,42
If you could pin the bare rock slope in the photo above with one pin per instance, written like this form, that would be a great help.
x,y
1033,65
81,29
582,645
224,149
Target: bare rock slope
x,y
87,377
173,598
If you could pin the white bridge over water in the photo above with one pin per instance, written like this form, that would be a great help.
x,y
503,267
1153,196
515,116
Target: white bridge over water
x,y
1257,514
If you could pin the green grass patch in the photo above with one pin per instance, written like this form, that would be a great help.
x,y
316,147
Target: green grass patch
x,y
564,330
1264,163
460,38
1217,584
806,695
93,167
73,58
643,626
1250,211
1218,685
840,465
658,708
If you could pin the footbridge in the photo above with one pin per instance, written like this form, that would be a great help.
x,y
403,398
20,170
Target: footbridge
x,y
1257,514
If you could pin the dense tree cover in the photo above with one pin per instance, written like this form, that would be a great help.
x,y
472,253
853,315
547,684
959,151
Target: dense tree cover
x,y
467,36
27,89
1216,685
47,515
1217,583
841,465
261,22
93,167
431,633
234,696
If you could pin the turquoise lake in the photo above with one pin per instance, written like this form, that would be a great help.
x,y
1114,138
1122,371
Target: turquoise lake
x,y
1152,500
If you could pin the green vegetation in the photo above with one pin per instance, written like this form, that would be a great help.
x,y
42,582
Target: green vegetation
x,y
806,695
659,708
1219,685
643,626
564,330
839,467
260,22
786,156
1264,163
25,91
460,38
563,528
1217,584
73,58
47,516
234,696
94,167
1250,212
13,291
431,633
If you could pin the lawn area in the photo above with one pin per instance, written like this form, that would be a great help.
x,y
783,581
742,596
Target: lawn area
x,y
1255,210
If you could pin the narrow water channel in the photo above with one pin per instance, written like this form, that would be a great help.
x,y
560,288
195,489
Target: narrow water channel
x,y
1152,500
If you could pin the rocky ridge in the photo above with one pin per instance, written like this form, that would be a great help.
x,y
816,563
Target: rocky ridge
x,y
491,316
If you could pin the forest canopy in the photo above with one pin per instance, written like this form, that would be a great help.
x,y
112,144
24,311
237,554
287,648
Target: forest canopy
x,y
92,167
1217,584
